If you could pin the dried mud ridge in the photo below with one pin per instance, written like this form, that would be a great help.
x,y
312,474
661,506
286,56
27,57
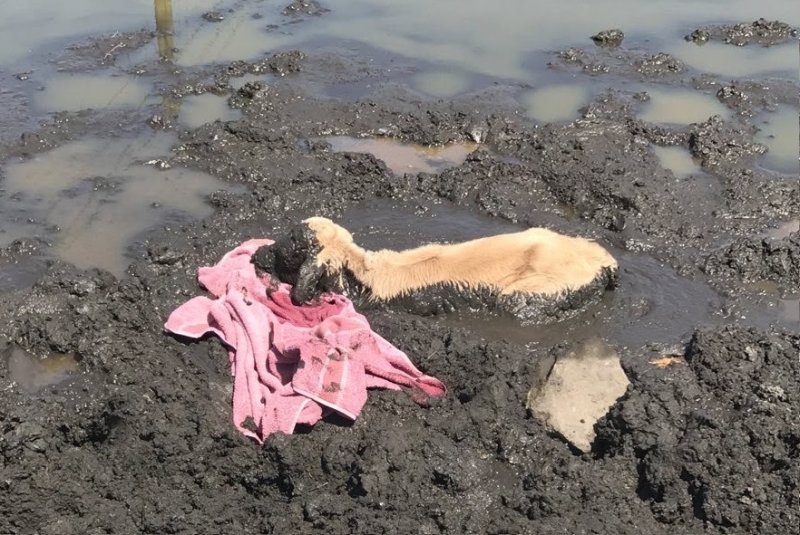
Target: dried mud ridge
x,y
141,440
763,32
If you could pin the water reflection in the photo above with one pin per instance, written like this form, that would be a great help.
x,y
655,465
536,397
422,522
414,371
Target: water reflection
x,y
165,29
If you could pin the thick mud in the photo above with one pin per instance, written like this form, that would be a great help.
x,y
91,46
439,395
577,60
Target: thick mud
x,y
139,438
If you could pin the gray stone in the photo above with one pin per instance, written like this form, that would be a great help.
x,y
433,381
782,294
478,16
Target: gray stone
x,y
581,387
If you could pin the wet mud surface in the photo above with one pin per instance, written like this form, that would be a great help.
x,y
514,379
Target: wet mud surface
x,y
139,439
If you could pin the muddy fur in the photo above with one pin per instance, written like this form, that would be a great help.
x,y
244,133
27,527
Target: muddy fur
x,y
319,256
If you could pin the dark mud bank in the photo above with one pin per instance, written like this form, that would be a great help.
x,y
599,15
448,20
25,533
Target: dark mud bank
x,y
140,440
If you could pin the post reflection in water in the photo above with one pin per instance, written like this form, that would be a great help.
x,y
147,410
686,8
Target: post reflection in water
x,y
164,29
165,35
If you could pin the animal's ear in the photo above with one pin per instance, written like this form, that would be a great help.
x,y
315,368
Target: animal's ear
x,y
264,259
310,282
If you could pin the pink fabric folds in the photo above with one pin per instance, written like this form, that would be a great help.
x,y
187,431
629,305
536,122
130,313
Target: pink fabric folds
x,y
292,364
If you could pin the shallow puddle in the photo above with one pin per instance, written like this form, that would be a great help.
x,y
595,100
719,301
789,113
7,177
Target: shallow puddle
x,y
497,39
783,230
729,60
556,102
32,373
198,110
86,91
680,106
678,160
452,34
780,132
21,274
441,84
403,158
790,310
94,196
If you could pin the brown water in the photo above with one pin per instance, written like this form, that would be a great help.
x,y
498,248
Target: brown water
x,y
780,132
76,92
678,160
559,102
681,106
198,110
32,374
733,61
403,158
93,197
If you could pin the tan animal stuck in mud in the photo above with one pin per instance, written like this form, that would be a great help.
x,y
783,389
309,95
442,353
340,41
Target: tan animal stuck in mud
x,y
536,275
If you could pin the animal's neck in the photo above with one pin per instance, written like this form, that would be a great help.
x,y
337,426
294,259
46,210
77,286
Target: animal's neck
x,y
389,273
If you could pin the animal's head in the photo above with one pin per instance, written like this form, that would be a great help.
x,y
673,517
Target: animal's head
x,y
307,257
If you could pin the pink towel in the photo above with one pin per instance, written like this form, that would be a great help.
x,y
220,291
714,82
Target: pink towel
x,y
292,364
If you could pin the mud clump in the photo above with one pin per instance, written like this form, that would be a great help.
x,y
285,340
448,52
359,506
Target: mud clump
x,y
280,63
661,64
100,52
748,97
761,31
754,260
628,63
718,144
718,440
304,7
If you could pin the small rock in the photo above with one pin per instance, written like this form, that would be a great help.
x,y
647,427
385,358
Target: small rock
x,y
213,16
159,121
609,38
700,36
164,255
579,390
160,164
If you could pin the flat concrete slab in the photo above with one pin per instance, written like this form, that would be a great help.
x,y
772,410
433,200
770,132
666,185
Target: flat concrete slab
x,y
580,388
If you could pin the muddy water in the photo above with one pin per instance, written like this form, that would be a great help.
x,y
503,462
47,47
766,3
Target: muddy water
x,y
459,33
93,197
652,304
727,60
31,373
783,230
83,91
678,160
403,158
33,27
790,310
557,102
780,132
441,83
681,106
206,108
21,274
